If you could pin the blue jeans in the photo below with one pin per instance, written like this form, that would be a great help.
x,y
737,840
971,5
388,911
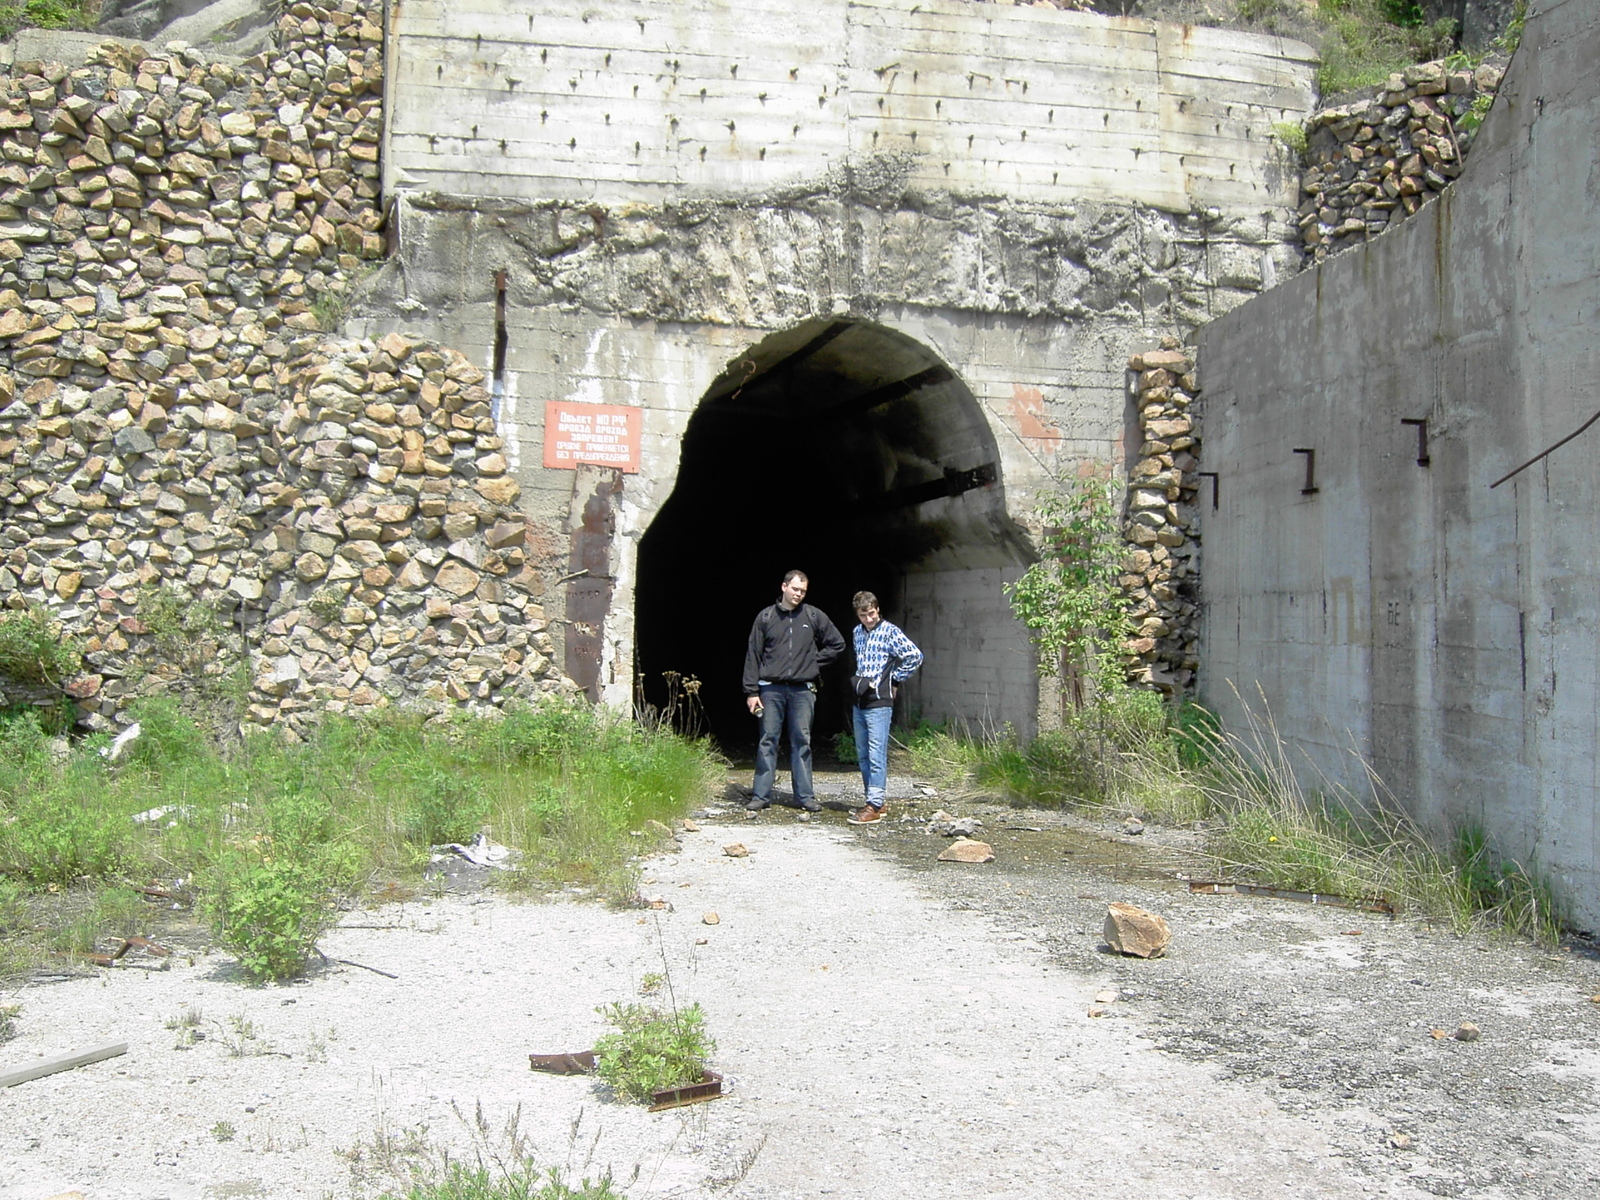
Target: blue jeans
x,y
785,707
872,750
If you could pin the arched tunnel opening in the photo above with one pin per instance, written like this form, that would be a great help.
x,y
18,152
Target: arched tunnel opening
x,y
855,454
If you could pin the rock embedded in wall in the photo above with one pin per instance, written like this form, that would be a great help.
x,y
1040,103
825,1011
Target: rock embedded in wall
x,y
1374,162
174,429
1161,567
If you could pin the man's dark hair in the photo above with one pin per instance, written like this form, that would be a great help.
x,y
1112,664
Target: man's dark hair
x,y
863,600
800,575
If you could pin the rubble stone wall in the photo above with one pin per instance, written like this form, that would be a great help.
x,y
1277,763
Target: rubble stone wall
x,y
1374,162
1161,573
176,435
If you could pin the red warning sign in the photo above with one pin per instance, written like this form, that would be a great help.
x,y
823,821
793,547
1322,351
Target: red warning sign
x,y
601,435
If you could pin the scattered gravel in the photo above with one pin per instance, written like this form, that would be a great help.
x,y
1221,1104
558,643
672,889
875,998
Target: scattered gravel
x,y
888,1027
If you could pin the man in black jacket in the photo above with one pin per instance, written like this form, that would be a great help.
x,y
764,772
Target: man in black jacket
x,y
790,643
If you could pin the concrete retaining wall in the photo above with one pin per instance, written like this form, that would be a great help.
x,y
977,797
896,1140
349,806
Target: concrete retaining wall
x,y
1445,629
650,99
1029,195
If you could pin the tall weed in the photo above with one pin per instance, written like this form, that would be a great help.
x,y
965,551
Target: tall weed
x,y
271,832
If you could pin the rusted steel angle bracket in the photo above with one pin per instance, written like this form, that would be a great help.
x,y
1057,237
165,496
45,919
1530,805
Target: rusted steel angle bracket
x,y
579,1063
709,1088
1217,888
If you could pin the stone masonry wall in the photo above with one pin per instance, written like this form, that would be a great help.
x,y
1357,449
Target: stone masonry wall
x,y
176,436
1374,162
1161,571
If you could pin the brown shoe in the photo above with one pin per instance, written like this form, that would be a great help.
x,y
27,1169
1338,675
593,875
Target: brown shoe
x,y
867,816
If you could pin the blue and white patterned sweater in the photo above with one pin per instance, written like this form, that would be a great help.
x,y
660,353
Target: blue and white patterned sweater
x,y
884,657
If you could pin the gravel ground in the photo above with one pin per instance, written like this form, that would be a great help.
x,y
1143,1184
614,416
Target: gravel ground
x,y
888,1027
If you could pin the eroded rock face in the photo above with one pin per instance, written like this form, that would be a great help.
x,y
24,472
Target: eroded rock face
x,y
179,437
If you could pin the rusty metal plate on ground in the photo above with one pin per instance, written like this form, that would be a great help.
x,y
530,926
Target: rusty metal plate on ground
x,y
1217,888
580,1063
709,1088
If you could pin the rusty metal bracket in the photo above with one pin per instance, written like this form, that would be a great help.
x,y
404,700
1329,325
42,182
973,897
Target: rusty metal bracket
x,y
1422,438
709,1088
1311,488
579,1063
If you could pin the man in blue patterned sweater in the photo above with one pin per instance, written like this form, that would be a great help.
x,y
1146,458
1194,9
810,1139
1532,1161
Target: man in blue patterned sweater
x,y
885,658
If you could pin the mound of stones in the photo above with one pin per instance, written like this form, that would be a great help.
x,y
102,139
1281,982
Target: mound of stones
x,y
1375,162
1161,567
178,437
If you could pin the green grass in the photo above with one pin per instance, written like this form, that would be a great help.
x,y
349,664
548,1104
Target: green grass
x,y
1365,41
48,14
268,834
499,1164
1178,766
520,1181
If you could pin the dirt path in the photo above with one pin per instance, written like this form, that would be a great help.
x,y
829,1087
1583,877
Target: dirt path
x,y
886,1031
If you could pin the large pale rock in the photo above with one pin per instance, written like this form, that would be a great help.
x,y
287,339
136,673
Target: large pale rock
x,y
1135,931
457,579
966,850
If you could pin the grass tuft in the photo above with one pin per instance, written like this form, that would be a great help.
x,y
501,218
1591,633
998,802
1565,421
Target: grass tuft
x,y
270,834
1178,766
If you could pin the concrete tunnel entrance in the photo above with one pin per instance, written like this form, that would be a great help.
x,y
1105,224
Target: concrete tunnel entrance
x,y
852,452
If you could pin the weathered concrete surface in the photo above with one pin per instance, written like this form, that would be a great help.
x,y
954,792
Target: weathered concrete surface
x,y
653,99
1037,195
1445,630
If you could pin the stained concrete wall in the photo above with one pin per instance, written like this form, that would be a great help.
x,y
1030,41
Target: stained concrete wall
x,y
1030,194
1444,629
653,98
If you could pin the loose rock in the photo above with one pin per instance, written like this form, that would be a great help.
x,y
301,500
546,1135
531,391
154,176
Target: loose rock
x,y
965,850
1135,931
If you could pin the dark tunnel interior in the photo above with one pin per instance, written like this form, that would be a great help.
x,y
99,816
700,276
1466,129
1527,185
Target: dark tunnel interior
x,y
841,448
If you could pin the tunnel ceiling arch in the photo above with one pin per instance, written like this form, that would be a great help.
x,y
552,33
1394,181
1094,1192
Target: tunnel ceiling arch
x,y
898,437
845,449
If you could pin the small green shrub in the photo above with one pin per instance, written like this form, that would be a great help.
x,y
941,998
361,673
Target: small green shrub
x,y
8,1021
13,908
326,603
548,732
24,744
168,737
58,839
1474,116
450,808
33,648
269,912
652,1049
1292,134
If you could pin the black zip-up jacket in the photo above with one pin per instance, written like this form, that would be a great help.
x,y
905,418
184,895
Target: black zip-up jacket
x,y
789,647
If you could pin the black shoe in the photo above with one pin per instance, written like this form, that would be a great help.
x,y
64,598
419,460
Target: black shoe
x,y
754,805
810,806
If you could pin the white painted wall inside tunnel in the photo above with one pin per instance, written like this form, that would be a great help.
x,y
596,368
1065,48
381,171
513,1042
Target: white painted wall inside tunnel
x,y
647,99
